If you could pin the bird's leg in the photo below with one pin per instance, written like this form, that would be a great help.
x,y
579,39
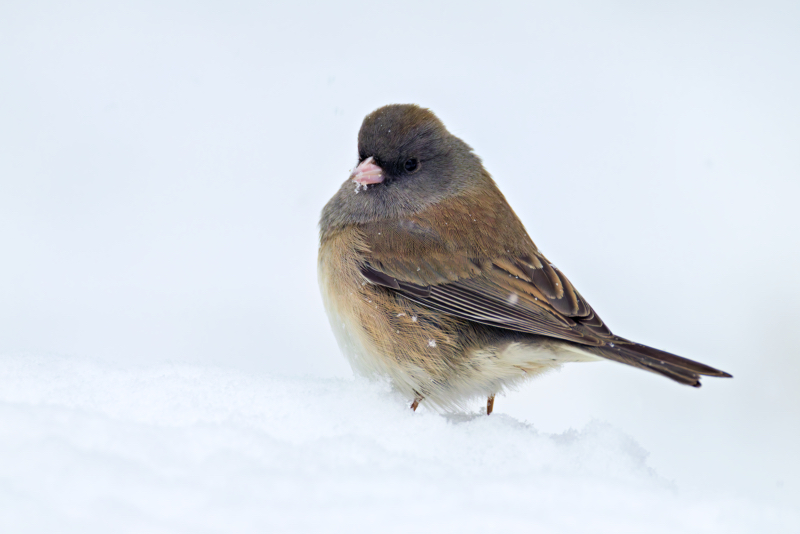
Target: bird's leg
x,y
490,405
416,402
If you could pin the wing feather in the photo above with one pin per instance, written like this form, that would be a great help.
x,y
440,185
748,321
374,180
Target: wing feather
x,y
496,276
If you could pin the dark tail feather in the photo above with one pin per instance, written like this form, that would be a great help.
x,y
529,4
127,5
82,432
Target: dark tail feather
x,y
675,367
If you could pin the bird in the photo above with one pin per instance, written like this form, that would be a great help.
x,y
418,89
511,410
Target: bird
x,y
430,280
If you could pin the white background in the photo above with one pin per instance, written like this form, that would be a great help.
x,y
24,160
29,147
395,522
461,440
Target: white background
x,y
163,166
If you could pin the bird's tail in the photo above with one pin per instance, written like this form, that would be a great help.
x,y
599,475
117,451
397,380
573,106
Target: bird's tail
x,y
675,367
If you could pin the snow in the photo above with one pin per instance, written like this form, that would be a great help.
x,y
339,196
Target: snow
x,y
86,446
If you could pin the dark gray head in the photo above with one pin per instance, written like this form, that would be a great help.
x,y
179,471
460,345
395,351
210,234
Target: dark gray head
x,y
418,164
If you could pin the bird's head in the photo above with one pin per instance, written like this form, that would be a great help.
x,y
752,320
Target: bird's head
x,y
407,161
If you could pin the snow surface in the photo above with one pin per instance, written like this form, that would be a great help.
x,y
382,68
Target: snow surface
x,y
86,446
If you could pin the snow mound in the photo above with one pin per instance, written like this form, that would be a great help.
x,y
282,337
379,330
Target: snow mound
x,y
88,447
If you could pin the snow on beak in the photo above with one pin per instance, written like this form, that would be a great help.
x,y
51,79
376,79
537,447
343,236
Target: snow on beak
x,y
367,172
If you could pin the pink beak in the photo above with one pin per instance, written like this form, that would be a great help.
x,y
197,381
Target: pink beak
x,y
367,173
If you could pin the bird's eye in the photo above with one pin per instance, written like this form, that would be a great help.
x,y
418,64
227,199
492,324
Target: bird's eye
x,y
411,164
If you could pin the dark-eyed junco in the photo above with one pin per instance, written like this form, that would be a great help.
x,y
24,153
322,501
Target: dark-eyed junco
x,y
430,279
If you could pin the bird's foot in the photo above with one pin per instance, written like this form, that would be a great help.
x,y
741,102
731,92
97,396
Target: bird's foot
x,y
415,404
490,405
